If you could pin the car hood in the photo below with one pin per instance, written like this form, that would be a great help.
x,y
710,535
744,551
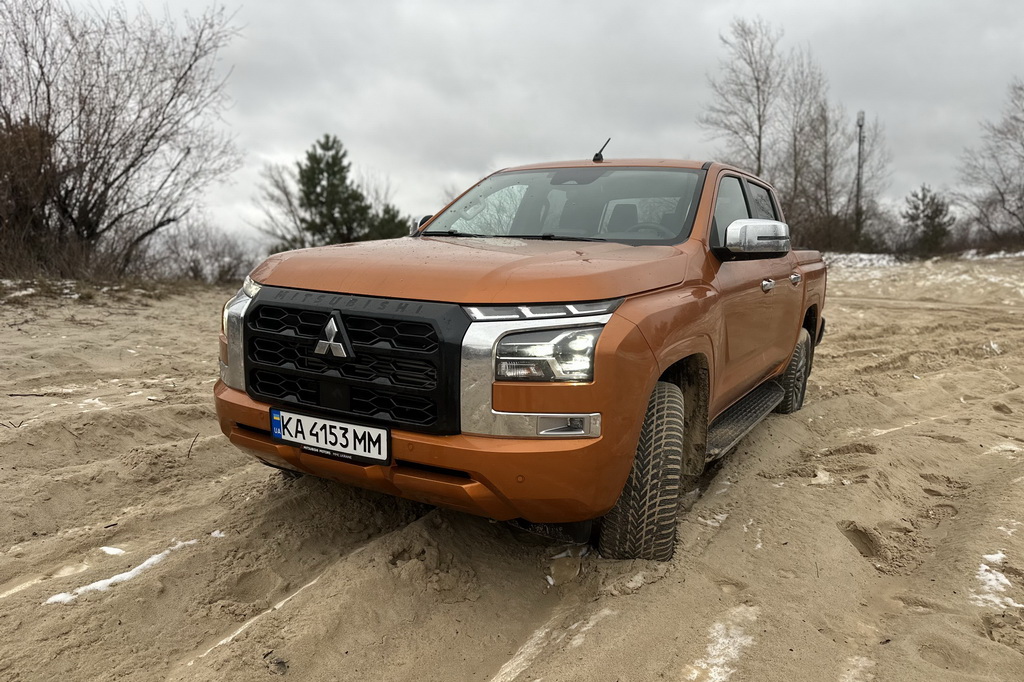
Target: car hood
x,y
475,270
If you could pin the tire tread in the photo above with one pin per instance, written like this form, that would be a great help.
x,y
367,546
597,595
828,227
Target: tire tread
x,y
794,380
642,525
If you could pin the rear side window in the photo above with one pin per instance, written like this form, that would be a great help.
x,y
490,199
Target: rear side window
x,y
729,206
761,202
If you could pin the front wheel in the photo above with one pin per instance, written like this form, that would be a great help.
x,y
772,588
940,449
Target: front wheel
x,y
642,524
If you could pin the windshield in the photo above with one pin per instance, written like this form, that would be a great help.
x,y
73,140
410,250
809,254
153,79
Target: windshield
x,y
628,205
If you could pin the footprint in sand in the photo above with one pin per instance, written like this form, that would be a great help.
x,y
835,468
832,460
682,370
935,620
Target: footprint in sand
x,y
867,541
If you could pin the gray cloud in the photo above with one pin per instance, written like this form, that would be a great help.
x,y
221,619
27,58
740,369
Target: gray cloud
x,y
432,94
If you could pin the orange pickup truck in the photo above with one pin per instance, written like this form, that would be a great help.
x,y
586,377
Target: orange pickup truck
x,y
566,344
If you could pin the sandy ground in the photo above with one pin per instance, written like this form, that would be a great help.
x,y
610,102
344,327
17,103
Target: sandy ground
x,y
878,534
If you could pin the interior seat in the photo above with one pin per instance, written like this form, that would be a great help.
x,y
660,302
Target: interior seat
x,y
624,216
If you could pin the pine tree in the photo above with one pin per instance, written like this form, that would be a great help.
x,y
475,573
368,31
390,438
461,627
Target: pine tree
x,y
320,203
928,221
334,210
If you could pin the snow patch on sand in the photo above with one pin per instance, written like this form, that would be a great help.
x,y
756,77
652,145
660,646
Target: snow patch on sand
x,y
546,635
581,634
1007,448
858,669
90,404
821,477
1014,526
746,529
527,653
107,583
245,626
728,640
715,522
860,260
993,584
113,551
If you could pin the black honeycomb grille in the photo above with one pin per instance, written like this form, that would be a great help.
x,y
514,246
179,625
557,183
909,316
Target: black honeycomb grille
x,y
287,388
363,367
402,370
414,336
305,323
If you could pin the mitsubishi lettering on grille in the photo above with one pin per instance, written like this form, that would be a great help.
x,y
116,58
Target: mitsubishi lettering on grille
x,y
332,341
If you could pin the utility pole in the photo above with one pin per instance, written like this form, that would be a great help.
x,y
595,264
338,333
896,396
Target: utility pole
x,y
858,214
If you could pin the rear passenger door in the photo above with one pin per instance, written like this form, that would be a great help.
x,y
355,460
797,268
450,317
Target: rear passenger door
x,y
786,297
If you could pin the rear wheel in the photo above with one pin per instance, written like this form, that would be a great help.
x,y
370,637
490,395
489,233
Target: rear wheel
x,y
794,381
642,524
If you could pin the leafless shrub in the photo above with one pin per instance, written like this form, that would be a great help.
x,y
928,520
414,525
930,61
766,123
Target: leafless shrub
x,y
196,251
113,118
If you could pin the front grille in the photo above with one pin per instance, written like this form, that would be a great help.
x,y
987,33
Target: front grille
x,y
403,364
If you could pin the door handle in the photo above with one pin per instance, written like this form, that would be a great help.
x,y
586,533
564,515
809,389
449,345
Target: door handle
x,y
767,285
796,278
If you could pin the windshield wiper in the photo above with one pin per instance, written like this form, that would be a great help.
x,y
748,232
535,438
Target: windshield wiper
x,y
559,237
453,233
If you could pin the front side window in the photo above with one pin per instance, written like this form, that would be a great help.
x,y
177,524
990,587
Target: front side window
x,y
626,205
729,206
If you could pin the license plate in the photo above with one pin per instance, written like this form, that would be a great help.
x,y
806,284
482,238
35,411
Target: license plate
x,y
331,438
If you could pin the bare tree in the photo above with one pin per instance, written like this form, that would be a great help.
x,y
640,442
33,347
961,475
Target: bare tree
x,y
449,193
746,92
994,174
774,112
804,91
129,104
278,201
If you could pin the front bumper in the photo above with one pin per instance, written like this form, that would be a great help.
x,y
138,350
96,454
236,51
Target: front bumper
x,y
542,480
539,479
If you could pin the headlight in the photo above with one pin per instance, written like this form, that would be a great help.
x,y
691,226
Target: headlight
x,y
547,355
233,373
249,290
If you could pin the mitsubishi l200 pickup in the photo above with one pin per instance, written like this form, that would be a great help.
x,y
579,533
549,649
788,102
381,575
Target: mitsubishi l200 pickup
x,y
566,343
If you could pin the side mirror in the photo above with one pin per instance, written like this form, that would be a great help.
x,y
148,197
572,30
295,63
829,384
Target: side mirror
x,y
423,221
757,237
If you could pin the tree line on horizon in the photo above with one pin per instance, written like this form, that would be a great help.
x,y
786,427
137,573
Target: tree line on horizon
x,y
109,136
774,114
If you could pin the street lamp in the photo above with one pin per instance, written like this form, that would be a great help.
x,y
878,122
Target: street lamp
x,y
858,215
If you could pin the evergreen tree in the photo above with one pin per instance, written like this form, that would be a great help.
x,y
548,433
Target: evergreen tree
x,y
320,203
928,221
333,209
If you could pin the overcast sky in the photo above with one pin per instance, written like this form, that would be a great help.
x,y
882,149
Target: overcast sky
x,y
431,94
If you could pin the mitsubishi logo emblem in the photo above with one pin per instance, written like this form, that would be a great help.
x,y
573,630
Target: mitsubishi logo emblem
x,y
332,340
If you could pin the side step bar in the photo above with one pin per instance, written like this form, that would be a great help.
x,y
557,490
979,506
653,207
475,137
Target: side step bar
x,y
738,420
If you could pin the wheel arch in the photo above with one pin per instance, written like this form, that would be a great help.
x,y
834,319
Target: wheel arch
x,y
811,323
692,375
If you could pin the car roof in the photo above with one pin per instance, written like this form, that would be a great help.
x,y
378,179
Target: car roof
x,y
583,163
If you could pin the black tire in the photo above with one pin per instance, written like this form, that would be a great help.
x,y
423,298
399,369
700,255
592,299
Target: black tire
x,y
642,524
794,380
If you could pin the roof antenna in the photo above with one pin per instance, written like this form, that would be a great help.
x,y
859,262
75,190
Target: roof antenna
x,y
598,157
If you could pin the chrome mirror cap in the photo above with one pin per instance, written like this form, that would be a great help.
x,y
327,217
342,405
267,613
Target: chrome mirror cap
x,y
757,236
